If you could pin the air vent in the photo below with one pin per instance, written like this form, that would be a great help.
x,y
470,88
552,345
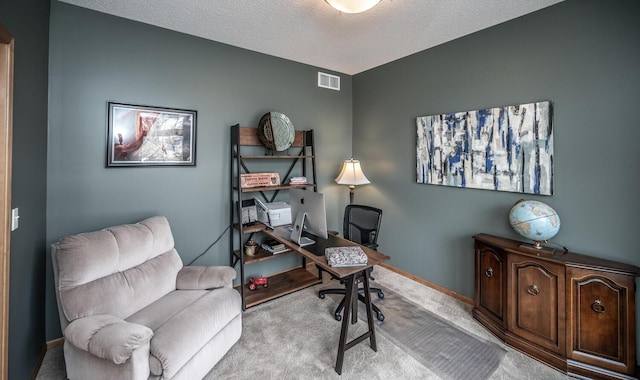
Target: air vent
x,y
329,81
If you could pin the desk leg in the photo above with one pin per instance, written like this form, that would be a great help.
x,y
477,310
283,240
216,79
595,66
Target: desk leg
x,y
354,303
345,323
343,345
367,303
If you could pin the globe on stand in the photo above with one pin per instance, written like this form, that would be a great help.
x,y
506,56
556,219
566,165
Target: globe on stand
x,y
535,221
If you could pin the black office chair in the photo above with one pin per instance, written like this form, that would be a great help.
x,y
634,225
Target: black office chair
x,y
361,225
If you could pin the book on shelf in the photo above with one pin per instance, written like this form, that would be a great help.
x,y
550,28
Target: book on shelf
x,y
298,181
345,256
274,247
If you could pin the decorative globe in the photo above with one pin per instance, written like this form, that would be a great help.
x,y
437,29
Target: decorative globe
x,y
534,220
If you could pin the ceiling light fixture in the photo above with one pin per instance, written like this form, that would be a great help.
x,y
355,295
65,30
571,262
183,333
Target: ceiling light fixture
x,y
352,6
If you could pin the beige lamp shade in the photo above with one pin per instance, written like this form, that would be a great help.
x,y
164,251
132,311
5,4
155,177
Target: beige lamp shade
x,y
352,176
352,6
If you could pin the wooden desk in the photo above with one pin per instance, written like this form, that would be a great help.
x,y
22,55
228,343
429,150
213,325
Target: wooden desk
x,y
315,253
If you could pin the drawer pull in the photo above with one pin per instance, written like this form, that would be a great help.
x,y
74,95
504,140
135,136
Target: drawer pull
x,y
489,272
598,307
533,290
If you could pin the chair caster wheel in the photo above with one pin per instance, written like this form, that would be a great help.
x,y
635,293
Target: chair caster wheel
x,y
380,295
380,317
338,317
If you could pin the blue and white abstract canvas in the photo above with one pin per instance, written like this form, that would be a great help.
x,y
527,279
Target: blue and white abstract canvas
x,y
504,148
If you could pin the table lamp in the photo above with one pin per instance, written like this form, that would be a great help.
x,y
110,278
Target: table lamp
x,y
351,175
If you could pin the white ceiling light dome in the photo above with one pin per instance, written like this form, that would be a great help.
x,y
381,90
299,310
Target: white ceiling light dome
x,y
352,6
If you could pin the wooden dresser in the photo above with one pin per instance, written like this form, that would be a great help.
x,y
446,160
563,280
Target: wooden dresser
x,y
571,311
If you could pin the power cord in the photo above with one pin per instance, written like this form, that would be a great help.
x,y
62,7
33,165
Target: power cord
x,y
565,249
212,244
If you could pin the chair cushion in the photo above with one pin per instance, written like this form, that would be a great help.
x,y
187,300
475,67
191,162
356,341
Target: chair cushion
x,y
116,271
156,314
122,293
88,256
173,343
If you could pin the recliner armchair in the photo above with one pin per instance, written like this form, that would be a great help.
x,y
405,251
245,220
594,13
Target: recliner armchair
x,y
130,310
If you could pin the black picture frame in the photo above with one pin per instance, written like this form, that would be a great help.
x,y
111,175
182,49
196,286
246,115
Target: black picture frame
x,y
150,136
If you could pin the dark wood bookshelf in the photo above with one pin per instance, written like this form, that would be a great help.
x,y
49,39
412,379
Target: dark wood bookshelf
x,y
245,147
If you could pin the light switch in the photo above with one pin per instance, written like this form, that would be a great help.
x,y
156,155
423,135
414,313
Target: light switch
x,y
14,219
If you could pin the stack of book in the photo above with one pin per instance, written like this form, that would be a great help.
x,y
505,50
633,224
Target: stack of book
x,y
274,246
298,181
345,256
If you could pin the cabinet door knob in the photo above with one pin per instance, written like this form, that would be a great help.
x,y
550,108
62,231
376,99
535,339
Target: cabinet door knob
x,y
533,290
598,307
489,272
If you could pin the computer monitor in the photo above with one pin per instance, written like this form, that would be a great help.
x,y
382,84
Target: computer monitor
x,y
307,207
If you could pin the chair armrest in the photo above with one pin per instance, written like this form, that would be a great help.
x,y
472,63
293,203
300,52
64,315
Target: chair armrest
x,y
107,337
199,277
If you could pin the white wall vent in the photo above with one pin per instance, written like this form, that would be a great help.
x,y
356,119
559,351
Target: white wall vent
x,y
329,81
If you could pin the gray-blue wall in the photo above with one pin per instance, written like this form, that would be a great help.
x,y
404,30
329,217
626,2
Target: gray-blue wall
x,y
583,56
28,22
97,58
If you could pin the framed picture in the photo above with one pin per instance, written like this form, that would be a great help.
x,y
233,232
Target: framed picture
x,y
150,136
508,148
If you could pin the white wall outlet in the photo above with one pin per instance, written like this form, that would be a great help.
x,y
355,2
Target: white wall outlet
x,y
14,219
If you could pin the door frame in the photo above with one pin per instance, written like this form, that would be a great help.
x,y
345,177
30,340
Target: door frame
x,y
6,138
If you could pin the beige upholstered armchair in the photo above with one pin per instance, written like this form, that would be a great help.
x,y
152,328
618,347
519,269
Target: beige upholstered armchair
x,y
130,310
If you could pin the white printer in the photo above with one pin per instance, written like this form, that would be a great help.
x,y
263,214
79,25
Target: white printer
x,y
273,214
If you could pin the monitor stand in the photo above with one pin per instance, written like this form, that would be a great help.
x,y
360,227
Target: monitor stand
x,y
296,233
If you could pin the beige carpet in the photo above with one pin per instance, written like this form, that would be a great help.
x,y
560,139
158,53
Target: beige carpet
x,y
295,337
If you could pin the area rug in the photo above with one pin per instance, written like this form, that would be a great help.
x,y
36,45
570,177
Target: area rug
x,y
445,349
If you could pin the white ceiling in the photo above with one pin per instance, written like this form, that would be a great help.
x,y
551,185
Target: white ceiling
x,y
311,32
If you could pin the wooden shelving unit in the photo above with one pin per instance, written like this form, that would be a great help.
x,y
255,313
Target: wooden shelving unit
x,y
273,188
279,285
301,158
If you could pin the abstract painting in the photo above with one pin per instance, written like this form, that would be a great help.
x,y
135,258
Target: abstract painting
x,y
506,148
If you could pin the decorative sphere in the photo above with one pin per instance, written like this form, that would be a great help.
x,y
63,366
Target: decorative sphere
x,y
534,220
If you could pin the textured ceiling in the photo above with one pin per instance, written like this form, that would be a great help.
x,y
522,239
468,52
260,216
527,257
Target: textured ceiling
x,y
311,32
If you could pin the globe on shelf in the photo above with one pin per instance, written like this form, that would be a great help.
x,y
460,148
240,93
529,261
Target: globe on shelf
x,y
535,221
